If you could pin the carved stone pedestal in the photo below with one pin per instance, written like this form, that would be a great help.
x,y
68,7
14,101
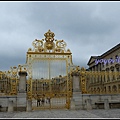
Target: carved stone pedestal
x,y
21,102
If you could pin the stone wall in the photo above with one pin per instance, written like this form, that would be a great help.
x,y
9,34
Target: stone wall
x,y
83,101
4,102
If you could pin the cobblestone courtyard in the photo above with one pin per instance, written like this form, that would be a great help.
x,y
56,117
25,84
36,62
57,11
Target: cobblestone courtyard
x,y
99,113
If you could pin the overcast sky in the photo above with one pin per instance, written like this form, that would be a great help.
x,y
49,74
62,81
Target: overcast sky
x,y
88,28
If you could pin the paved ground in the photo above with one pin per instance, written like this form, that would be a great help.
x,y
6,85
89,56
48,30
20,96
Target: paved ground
x,y
99,113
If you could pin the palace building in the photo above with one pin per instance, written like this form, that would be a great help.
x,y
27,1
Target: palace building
x,y
109,64
109,60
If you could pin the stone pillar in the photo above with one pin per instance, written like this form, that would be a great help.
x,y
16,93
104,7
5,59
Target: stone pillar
x,y
106,104
76,82
29,105
21,96
22,82
88,104
10,106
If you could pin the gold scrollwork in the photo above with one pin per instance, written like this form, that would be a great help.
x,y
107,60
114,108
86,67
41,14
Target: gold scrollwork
x,y
60,46
38,45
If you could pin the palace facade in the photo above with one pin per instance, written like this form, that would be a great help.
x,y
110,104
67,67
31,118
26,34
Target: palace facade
x,y
109,60
108,63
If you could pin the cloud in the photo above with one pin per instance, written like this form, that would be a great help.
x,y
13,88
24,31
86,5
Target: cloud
x,y
88,28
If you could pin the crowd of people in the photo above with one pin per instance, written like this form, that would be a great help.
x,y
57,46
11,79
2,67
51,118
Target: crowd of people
x,y
42,101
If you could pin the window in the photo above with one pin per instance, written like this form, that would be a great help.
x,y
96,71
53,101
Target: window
x,y
117,69
102,65
107,64
111,61
96,67
116,56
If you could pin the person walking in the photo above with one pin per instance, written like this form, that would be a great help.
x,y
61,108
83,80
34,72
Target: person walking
x,y
42,101
38,102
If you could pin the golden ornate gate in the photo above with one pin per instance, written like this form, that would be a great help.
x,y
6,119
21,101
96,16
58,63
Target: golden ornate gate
x,y
49,81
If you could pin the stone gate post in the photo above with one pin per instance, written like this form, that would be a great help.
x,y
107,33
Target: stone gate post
x,y
76,81
21,96
22,82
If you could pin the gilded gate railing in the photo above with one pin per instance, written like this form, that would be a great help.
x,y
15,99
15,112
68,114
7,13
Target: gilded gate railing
x,y
49,69
48,66
100,82
9,81
91,82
